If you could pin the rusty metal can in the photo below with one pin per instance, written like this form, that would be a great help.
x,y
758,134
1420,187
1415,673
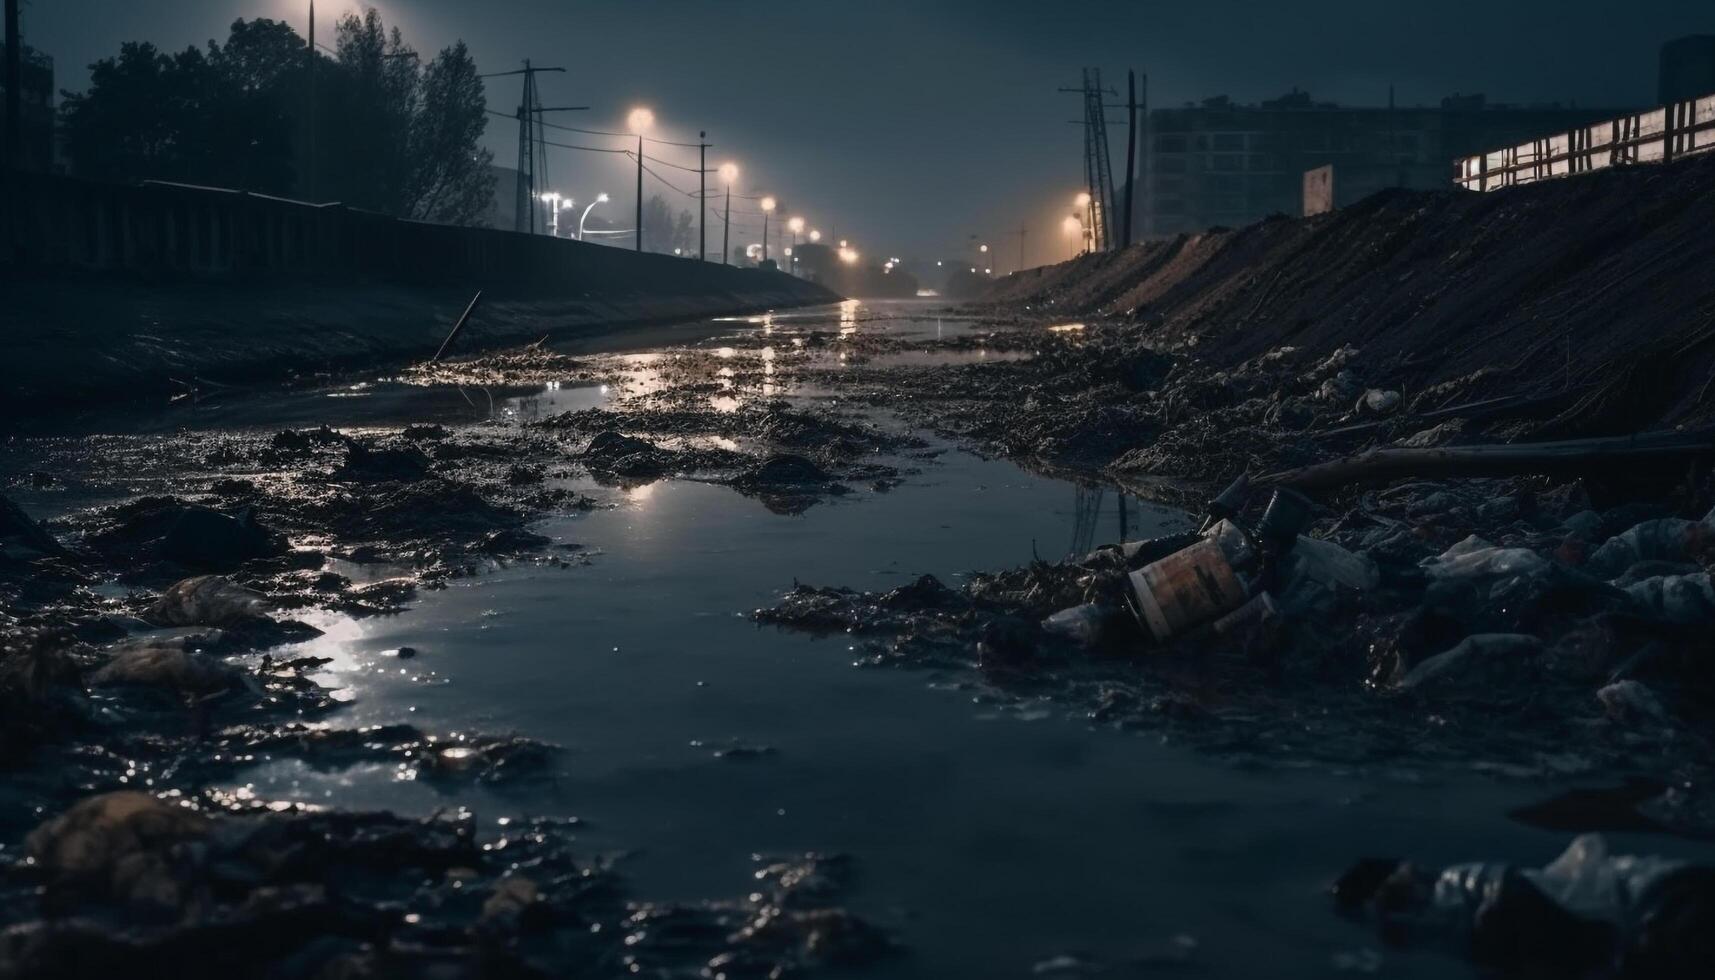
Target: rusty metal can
x,y
1193,585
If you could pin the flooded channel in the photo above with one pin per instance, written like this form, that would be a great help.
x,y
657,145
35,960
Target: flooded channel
x,y
990,839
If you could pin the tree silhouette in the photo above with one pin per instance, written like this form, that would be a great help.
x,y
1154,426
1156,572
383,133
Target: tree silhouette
x,y
394,135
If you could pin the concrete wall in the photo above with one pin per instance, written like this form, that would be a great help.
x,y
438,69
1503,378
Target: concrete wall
x,y
54,226
122,292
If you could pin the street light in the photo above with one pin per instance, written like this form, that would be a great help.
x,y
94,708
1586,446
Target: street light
x,y
556,203
1073,228
796,226
815,236
599,199
729,174
768,206
1085,204
640,120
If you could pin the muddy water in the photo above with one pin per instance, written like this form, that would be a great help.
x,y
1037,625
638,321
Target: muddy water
x,y
992,842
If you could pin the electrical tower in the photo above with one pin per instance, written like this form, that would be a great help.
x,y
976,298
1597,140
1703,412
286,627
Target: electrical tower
x,y
1098,173
532,146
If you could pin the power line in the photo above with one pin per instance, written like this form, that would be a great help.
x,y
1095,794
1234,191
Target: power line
x,y
590,149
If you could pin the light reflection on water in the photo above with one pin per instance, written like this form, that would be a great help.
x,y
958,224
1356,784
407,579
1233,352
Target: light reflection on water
x,y
989,840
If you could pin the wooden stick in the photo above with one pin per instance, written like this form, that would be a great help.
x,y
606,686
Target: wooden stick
x,y
1381,465
456,327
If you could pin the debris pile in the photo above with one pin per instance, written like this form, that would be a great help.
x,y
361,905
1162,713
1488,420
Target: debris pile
x,y
1588,913
128,882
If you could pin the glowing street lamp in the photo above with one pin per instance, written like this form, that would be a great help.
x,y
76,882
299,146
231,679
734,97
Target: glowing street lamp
x,y
1087,206
815,236
599,199
640,120
768,206
729,174
795,225
556,203
1073,228
848,255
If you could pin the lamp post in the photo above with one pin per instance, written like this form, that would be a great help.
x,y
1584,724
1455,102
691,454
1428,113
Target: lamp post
x,y
796,226
599,199
729,173
768,206
1086,205
1074,230
640,119
555,204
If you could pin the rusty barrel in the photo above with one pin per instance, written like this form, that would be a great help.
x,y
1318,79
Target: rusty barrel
x,y
1190,586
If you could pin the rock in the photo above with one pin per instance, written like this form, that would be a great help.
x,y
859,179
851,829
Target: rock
x,y
166,663
609,445
207,539
513,898
787,469
41,695
118,846
21,537
207,600
1475,661
366,463
512,540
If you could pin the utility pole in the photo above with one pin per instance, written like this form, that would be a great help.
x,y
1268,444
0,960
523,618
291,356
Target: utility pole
x,y
1148,227
702,195
310,188
529,125
640,190
1098,175
1130,182
14,89
726,228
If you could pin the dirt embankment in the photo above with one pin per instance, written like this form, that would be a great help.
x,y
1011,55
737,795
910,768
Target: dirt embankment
x,y
1568,283
66,343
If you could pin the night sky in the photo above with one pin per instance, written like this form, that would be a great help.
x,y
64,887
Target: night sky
x,y
908,125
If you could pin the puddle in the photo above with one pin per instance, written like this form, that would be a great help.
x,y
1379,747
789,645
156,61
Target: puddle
x,y
990,841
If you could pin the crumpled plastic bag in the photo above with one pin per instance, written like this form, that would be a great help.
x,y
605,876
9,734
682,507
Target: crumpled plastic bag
x,y
1663,539
1682,599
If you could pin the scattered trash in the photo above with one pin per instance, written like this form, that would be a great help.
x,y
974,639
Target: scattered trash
x,y
1476,661
1378,402
1083,624
1200,583
1588,913
1631,702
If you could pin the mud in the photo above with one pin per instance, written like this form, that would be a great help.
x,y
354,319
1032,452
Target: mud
x,y
134,882
139,622
1598,673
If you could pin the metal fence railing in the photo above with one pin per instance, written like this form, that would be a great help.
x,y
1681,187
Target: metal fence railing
x,y
1652,136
